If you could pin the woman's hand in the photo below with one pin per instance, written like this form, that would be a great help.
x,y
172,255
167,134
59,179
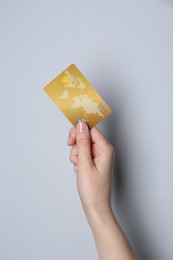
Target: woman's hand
x,y
93,159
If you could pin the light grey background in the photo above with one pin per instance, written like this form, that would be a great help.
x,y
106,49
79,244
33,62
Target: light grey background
x,y
125,49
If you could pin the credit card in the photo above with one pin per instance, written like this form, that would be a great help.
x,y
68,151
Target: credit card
x,y
76,98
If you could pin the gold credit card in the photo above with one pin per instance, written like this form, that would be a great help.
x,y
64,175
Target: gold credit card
x,y
76,98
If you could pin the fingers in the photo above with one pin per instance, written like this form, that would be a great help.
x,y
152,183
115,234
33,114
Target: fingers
x,y
80,138
96,136
72,136
74,155
84,146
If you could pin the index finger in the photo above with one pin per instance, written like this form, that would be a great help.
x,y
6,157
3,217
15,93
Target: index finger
x,y
72,136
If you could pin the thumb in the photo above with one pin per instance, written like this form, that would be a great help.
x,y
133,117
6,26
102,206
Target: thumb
x,y
83,145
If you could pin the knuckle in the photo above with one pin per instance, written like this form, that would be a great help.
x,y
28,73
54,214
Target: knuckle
x,y
83,141
71,159
110,149
84,167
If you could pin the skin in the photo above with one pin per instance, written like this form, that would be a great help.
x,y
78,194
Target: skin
x,y
93,160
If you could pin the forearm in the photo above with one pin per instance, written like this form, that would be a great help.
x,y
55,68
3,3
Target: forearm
x,y
110,241
93,158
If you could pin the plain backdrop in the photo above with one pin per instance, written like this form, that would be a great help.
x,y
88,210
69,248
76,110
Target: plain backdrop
x,y
125,49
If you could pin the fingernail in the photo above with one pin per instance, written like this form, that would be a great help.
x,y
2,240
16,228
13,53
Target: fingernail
x,y
81,127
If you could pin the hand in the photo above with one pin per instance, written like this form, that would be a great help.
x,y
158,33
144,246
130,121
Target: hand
x,y
93,159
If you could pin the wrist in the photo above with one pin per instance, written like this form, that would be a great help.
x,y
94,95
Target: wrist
x,y
98,214
107,232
